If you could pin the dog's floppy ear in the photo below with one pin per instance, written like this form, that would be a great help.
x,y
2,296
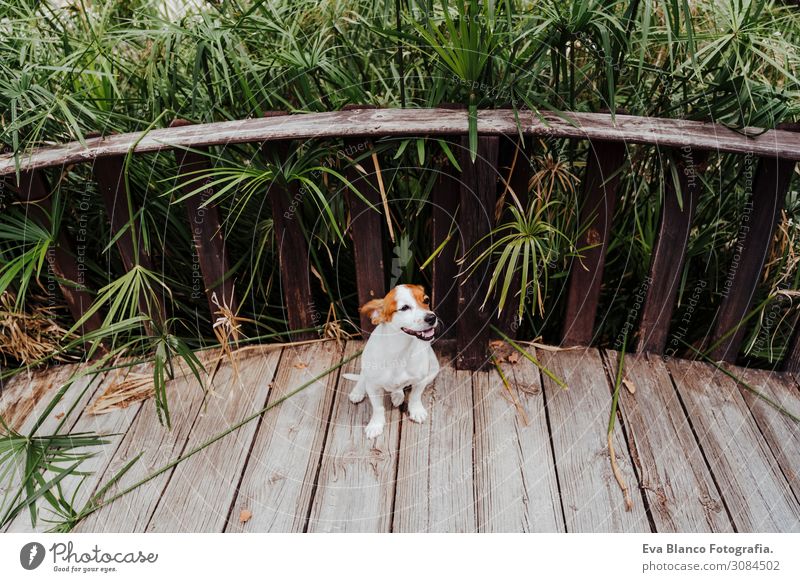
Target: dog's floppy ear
x,y
374,309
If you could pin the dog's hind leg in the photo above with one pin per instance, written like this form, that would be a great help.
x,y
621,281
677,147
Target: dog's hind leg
x,y
378,419
358,392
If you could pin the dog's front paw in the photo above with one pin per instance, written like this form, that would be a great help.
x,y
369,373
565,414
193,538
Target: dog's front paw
x,y
373,429
417,413
356,395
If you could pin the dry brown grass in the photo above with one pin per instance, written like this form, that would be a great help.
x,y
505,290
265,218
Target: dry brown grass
x,y
31,335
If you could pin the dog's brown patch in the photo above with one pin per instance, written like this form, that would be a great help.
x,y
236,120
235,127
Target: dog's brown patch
x,y
389,305
381,310
418,291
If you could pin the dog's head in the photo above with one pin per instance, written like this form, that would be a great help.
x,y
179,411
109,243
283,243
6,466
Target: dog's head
x,y
406,308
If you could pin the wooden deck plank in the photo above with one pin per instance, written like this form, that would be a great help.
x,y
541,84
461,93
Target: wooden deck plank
x,y
199,494
113,427
356,483
678,484
516,489
158,446
435,465
34,395
756,493
279,478
781,432
22,393
590,495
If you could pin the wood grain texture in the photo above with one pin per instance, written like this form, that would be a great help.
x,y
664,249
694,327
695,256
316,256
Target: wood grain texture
x,y
516,489
112,426
435,471
279,480
478,197
26,394
366,228
599,195
25,413
157,446
591,498
444,201
781,432
356,484
205,224
676,481
200,492
755,491
759,220
293,252
669,253
409,122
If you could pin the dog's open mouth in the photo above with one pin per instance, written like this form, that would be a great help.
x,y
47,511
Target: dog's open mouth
x,y
424,335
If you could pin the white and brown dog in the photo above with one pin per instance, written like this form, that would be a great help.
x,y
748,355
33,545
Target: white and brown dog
x,y
398,354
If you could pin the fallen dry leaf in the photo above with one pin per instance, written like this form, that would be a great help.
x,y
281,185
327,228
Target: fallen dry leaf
x,y
245,515
59,416
629,385
513,358
301,365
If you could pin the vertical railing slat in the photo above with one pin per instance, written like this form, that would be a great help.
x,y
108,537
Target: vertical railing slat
x,y
298,300
597,211
478,197
109,173
791,361
366,224
62,260
206,228
772,178
516,169
366,230
669,253
444,223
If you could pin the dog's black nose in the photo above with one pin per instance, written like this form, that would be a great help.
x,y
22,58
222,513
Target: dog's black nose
x,y
430,319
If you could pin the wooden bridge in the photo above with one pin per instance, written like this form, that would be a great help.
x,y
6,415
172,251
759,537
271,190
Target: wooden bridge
x,y
697,450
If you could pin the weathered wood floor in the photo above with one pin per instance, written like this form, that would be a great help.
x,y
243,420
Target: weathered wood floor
x,y
698,452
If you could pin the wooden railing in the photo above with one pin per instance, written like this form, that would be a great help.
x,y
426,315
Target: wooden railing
x,y
470,194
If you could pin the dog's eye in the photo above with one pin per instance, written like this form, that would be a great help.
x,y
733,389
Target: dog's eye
x,y
405,308
426,300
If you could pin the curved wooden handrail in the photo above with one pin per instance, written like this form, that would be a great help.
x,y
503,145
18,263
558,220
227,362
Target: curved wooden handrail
x,y
419,122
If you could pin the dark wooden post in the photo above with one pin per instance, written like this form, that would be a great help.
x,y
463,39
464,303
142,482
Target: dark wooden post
x,y
366,226
669,254
771,183
597,211
109,173
285,200
444,207
444,199
791,361
516,169
476,218
206,228
35,192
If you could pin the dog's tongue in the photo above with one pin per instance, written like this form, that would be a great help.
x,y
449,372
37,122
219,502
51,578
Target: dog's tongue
x,y
425,335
